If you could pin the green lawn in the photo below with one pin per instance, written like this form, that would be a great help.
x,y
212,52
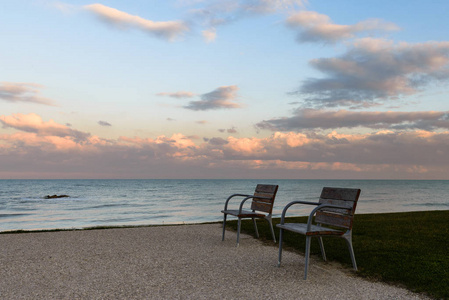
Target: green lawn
x,y
410,249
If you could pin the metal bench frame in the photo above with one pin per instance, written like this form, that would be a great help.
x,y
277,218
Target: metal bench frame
x,y
261,208
335,208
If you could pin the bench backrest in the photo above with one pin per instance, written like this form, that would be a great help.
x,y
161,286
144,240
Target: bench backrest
x,y
267,191
342,218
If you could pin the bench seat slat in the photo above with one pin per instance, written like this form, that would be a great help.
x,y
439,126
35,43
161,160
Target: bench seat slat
x,y
314,230
244,214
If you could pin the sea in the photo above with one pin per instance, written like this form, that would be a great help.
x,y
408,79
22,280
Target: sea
x,y
117,202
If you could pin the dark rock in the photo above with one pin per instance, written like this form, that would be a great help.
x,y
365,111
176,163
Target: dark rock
x,y
56,196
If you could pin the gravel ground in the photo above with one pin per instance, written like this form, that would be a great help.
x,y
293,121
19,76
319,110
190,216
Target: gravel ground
x,y
168,262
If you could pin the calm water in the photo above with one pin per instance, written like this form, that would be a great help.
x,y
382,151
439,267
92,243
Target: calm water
x,y
141,202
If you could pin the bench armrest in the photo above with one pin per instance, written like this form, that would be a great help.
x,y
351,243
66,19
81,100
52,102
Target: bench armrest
x,y
232,196
249,197
284,211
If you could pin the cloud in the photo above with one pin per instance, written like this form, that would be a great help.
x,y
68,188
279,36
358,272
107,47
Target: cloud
x,y
315,27
167,30
377,149
329,119
220,98
214,13
23,92
229,130
51,150
180,94
33,123
64,7
104,123
270,6
209,35
216,141
375,70
224,11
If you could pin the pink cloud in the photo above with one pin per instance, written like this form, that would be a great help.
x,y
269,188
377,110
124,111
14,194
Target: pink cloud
x,y
316,27
23,92
34,148
209,35
34,123
168,29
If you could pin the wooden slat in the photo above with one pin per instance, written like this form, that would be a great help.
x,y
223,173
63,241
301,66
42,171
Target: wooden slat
x,y
340,194
341,197
265,191
349,204
264,195
323,232
244,214
261,206
315,230
266,188
334,219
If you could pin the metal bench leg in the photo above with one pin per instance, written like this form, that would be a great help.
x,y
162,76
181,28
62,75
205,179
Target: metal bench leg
x,y
238,231
255,228
271,227
348,238
307,255
281,235
224,225
323,253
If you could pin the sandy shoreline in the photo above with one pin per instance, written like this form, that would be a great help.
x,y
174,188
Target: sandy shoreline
x,y
168,262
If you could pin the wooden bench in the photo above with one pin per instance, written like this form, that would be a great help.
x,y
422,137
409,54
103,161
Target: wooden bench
x,y
333,216
261,208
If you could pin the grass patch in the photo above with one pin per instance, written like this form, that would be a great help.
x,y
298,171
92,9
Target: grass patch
x,y
408,249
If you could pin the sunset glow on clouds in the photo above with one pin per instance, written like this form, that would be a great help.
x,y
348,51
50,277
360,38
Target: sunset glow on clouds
x,y
22,92
316,27
165,29
44,143
222,89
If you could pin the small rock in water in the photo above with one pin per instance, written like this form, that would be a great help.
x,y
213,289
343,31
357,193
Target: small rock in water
x,y
56,196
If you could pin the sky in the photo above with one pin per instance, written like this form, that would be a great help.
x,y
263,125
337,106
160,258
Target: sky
x,y
260,89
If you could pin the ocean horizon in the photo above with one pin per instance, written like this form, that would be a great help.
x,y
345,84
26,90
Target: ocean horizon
x,y
123,202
